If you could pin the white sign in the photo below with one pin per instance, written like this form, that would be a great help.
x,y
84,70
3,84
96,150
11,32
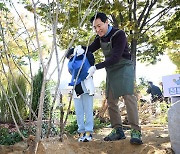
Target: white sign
x,y
171,85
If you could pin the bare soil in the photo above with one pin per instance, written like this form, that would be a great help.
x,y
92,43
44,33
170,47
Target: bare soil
x,y
155,141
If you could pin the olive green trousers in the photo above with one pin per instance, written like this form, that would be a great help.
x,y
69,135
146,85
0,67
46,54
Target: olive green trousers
x,y
131,108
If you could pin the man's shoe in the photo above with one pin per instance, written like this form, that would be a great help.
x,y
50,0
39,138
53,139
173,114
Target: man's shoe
x,y
87,137
136,137
81,137
116,134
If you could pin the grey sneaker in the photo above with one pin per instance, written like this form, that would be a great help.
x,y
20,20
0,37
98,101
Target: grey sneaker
x,y
116,134
136,137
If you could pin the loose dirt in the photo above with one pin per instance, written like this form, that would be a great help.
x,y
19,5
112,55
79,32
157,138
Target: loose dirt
x,y
156,141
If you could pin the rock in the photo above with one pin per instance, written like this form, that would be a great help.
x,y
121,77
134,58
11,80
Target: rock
x,y
174,126
175,99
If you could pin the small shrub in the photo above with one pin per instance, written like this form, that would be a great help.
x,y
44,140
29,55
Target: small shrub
x,y
15,99
9,138
98,124
72,127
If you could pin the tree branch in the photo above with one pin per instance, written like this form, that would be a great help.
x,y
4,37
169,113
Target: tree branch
x,y
5,50
146,15
162,11
142,14
154,23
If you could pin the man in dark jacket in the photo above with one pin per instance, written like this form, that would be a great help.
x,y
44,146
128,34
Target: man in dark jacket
x,y
120,76
155,92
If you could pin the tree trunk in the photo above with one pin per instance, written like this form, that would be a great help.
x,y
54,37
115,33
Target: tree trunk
x,y
40,111
61,120
133,54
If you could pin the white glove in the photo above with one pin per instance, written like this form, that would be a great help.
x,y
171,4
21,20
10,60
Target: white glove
x,y
79,50
91,71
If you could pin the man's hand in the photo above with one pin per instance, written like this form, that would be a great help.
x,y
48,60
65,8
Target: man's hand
x,y
79,50
91,71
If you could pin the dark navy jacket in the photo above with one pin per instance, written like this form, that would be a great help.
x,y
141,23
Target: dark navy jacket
x,y
154,91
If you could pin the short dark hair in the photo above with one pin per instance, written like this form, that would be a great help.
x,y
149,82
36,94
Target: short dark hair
x,y
70,52
99,15
150,82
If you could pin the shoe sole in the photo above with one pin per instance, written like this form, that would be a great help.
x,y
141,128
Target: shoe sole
x,y
87,140
81,141
117,139
136,142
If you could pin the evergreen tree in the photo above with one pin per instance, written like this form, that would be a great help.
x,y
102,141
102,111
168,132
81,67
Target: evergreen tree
x,y
37,84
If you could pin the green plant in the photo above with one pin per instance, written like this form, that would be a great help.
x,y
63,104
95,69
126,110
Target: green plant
x,y
14,96
98,124
66,99
164,107
53,131
47,102
162,118
71,118
21,82
72,127
9,138
103,85
5,114
37,84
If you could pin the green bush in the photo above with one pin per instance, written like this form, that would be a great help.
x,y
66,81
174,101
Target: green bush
x,y
37,84
98,124
5,114
47,102
163,117
72,127
14,96
21,81
53,131
10,138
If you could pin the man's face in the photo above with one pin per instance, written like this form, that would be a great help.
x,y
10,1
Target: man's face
x,y
100,27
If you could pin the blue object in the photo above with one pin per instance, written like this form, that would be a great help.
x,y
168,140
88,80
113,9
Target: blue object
x,y
74,65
